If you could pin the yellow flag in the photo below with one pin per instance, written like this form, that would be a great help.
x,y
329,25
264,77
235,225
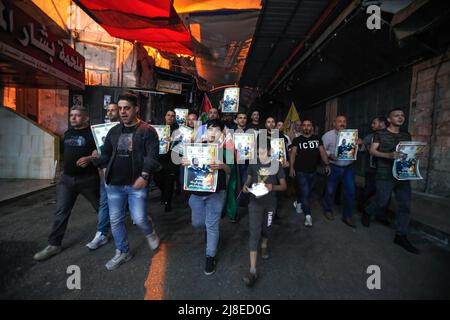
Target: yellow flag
x,y
292,116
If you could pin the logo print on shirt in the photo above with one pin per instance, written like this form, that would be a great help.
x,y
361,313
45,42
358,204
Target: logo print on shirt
x,y
313,144
75,141
125,144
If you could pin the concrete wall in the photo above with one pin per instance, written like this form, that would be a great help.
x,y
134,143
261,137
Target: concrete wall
x,y
26,150
430,99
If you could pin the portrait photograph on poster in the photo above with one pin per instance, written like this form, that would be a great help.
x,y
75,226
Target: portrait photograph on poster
x,y
99,131
181,136
164,138
181,116
230,103
346,146
198,175
245,145
278,149
407,167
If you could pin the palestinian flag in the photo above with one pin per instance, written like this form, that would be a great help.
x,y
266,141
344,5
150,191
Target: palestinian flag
x,y
233,186
206,105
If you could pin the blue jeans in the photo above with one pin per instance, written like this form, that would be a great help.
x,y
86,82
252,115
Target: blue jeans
x,y
305,183
103,224
402,190
118,196
207,212
347,176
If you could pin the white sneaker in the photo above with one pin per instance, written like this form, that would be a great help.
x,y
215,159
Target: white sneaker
x,y
308,221
98,241
298,207
118,259
153,240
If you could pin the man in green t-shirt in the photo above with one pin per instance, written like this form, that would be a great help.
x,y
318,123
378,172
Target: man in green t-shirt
x,y
383,147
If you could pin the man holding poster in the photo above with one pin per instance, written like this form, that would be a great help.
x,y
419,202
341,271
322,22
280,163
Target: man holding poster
x,y
384,148
103,225
207,205
341,170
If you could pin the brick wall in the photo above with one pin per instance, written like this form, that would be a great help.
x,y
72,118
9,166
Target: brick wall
x,y
430,97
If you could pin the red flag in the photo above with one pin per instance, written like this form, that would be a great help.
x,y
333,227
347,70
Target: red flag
x,y
206,105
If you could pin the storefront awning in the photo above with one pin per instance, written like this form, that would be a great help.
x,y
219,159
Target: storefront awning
x,y
150,22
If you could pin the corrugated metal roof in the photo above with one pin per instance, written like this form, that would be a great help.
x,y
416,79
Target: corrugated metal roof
x,y
281,26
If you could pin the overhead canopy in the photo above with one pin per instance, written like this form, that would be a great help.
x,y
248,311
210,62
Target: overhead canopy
x,y
150,22
224,30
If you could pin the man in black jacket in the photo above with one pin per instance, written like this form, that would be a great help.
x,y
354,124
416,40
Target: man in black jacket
x,y
79,177
130,156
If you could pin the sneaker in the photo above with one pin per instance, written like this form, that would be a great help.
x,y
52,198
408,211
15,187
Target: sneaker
x,y
308,221
99,240
153,240
265,253
403,242
48,252
210,267
298,207
118,259
250,279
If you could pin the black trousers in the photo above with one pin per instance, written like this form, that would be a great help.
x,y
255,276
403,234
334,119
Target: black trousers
x,y
165,180
67,191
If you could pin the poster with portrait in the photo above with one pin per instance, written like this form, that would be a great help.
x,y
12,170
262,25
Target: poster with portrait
x,y
407,168
278,149
164,138
181,136
198,175
106,101
245,146
99,131
346,144
181,116
230,102
77,100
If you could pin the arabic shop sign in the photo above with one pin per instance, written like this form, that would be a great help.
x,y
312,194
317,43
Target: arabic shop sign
x,y
169,86
25,40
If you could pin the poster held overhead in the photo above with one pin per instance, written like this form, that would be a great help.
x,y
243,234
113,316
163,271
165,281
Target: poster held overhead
x,y
230,103
181,116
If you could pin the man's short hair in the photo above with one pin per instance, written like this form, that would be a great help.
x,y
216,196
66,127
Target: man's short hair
x,y
79,108
194,113
306,119
241,112
215,123
381,119
341,115
393,110
130,97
